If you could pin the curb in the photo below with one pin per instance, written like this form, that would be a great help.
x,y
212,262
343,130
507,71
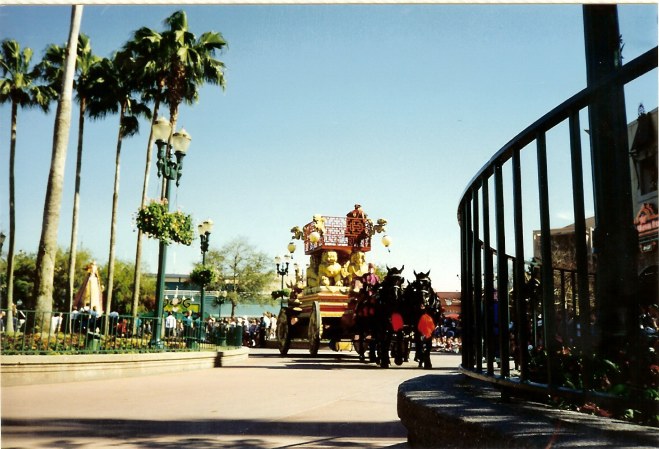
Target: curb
x,y
231,357
454,411
49,369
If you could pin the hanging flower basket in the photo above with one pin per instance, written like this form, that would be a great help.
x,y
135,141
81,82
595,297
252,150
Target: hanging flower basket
x,y
180,228
202,276
276,294
155,221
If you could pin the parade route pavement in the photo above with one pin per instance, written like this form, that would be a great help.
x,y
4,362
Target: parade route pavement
x,y
268,401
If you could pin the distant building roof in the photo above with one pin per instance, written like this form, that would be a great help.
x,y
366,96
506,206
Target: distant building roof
x,y
449,295
569,229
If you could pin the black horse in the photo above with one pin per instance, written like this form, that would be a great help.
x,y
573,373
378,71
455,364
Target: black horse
x,y
423,311
388,316
364,323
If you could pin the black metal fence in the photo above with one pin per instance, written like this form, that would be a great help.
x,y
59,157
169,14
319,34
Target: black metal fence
x,y
30,332
532,327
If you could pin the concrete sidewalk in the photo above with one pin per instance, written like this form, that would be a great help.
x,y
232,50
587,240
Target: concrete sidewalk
x,y
269,401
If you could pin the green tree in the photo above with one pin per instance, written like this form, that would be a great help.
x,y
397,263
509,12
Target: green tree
x,y
242,270
18,86
48,241
52,67
25,277
122,287
170,67
114,93
380,271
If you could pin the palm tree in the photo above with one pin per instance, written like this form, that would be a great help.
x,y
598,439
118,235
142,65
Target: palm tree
x,y
18,87
188,62
144,50
173,65
52,66
47,250
113,93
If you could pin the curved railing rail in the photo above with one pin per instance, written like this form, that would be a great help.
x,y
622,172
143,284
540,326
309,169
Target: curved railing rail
x,y
506,300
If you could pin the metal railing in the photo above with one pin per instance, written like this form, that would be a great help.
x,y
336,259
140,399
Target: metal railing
x,y
81,332
534,316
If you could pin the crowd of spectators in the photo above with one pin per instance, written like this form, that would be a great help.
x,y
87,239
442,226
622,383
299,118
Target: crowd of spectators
x,y
256,331
447,336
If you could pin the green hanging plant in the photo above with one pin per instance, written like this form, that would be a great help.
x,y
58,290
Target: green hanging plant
x,y
180,228
276,294
155,221
202,275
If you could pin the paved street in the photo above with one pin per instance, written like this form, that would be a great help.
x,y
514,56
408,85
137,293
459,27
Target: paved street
x,y
330,401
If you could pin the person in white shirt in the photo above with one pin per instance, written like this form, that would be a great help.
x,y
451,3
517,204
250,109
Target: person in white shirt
x,y
170,325
56,323
273,326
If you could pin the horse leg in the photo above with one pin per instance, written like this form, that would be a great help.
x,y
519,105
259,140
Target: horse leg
x,y
361,348
372,350
385,342
418,348
428,350
407,346
399,348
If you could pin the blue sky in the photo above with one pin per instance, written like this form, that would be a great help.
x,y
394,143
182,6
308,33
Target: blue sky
x,y
392,106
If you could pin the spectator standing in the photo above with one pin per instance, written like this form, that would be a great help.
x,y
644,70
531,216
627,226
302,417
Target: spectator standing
x,y
187,324
21,319
84,318
273,326
18,317
170,325
210,328
73,318
253,331
56,323
264,329
94,319
114,321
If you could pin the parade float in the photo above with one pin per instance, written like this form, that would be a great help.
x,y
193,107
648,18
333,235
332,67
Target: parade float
x,y
322,302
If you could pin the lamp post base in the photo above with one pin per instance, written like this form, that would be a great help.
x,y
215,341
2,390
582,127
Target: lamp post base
x,y
157,344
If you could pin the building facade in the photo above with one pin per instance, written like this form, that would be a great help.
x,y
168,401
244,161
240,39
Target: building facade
x,y
642,134
642,137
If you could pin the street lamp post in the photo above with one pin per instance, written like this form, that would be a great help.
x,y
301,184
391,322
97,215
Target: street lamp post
x,y
171,151
282,270
282,267
205,229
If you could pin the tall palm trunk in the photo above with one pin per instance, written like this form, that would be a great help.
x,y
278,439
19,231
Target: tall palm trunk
x,y
113,226
76,204
145,186
47,250
12,220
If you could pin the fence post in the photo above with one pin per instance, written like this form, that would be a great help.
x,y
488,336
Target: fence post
x,y
615,240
